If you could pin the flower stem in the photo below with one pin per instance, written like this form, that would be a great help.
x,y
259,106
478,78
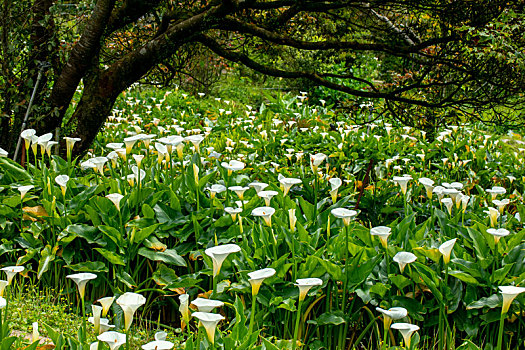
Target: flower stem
x,y
252,315
500,331
297,320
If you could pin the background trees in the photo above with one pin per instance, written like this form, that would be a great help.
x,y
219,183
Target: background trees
x,y
431,61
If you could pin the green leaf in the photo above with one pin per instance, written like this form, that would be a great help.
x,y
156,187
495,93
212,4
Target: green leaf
x,y
89,266
125,278
334,318
13,171
307,208
110,256
114,235
141,235
47,256
169,256
465,277
491,302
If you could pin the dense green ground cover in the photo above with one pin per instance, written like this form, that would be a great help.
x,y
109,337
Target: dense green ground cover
x,y
286,186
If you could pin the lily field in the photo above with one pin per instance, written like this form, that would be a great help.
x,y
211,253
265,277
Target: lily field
x,y
274,226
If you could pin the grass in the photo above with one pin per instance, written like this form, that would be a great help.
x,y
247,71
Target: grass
x,y
53,308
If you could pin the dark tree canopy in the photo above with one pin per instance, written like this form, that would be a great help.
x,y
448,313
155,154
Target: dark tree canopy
x,y
462,56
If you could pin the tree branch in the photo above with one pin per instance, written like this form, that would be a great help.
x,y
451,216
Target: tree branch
x,y
313,76
80,60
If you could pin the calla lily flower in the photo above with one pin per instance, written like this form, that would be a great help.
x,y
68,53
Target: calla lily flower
x,y
501,204
438,190
446,249
257,278
130,302
106,304
233,212
493,215
158,345
402,181
258,186
292,218
346,214
495,191
3,303
206,305
216,188
24,189
305,284
11,271
35,335
3,153
406,329
184,308
335,183
27,135
62,181
382,232
233,165
138,159
287,183
264,212
70,142
498,233
404,258
195,140
104,325
448,204
239,191
115,198
99,163
219,253
464,202
130,142
509,293
267,196
316,160
392,314
3,284
429,185
114,339
209,322
97,312
81,279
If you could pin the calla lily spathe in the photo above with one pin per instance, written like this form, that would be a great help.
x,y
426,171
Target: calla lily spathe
x,y
346,214
383,232
219,253
404,258
509,293
392,314
446,249
264,212
81,279
206,305
11,272
209,321
498,233
114,339
130,302
407,330
257,278
305,284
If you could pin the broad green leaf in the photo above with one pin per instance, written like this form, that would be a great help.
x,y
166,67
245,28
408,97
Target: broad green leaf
x,y
465,277
112,257
89,266
169,256
47,256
